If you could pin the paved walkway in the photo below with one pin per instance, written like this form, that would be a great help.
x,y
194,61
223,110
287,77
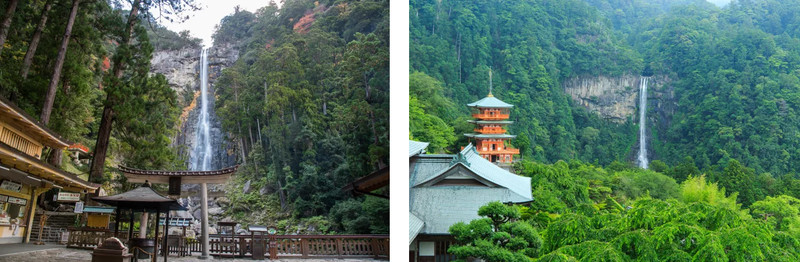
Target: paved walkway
x,y
59,253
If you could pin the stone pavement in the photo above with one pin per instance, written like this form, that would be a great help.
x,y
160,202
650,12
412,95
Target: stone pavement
x,y
59,253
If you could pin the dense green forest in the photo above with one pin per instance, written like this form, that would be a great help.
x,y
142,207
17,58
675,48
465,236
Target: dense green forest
x,y
77,56
309,99
722,183
732,71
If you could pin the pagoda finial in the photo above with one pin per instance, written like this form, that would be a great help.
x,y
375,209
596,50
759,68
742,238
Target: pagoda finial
x,y
490,82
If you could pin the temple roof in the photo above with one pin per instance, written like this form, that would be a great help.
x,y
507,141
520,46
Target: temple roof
x,y
17,117
415,147
141,198
490,102
490,135
434,208
12,157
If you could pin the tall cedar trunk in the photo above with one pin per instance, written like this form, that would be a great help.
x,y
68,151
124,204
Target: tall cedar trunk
x,y
104,133
12,6
26,62
62,53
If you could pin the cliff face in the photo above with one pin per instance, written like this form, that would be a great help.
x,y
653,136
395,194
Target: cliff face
x,y
616,98
182,70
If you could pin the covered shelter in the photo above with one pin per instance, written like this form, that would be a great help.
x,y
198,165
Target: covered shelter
x,y
176,178
23,174
142,199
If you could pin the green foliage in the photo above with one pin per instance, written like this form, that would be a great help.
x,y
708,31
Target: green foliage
x,y
309,105
704,225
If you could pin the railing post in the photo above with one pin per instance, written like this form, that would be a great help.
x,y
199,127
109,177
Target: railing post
x,y
273,247
304,247
339,249
374,243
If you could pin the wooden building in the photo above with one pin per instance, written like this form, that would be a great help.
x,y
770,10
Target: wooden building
x,y
445,189
23,174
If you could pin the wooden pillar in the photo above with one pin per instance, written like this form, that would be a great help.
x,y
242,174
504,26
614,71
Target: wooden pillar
x,y
166,235
130,227
116,223
154,257
35,192
204,220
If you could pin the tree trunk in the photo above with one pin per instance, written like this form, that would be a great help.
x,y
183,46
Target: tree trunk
x,y
100,149
26,63
12,6
104,133
62,53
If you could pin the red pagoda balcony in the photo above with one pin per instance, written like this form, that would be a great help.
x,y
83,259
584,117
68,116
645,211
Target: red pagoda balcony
x,y
506,151
490,116
490,130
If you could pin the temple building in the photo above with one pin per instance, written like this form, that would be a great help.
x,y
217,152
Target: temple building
x,y
24,176
445,189
490,117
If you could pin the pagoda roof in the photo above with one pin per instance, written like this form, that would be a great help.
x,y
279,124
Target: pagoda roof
x,y
10,113
501,122
490,135
490,102
141,198
190,177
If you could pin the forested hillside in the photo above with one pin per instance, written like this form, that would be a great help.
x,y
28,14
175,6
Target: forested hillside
x,y
64,62
307,101
731,84
722,124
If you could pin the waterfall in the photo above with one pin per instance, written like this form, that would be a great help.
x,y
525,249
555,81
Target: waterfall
x,y
201,156
643,123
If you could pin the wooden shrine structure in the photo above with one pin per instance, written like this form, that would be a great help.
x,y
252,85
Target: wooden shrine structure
x,y
142,199
175,179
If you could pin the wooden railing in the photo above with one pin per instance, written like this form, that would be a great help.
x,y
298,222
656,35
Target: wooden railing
x,y
276,246
325,246
89,238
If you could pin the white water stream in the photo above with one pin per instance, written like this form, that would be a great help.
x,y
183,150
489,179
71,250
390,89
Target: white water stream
x,y
201,157
642,158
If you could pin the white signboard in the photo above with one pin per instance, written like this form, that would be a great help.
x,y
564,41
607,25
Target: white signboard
x,y
69,197
79,207
18,201
3,198
11,186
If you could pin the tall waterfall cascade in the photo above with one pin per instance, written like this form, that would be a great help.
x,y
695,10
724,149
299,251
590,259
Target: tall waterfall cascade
x,y
201,153
642,158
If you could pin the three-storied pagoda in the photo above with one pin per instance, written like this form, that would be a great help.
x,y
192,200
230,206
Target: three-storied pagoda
x,y
490,116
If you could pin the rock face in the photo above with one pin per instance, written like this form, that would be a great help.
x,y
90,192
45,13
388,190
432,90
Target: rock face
x,y
615,98
182,70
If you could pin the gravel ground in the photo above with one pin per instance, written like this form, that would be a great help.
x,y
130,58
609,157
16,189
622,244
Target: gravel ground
x,y
62,254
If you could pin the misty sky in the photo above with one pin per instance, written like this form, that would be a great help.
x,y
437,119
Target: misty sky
x,y
719,3
201,23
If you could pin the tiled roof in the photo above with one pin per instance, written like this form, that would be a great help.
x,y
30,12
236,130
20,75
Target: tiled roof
x,y
499,122
415,147
490,102
414,227
439,207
